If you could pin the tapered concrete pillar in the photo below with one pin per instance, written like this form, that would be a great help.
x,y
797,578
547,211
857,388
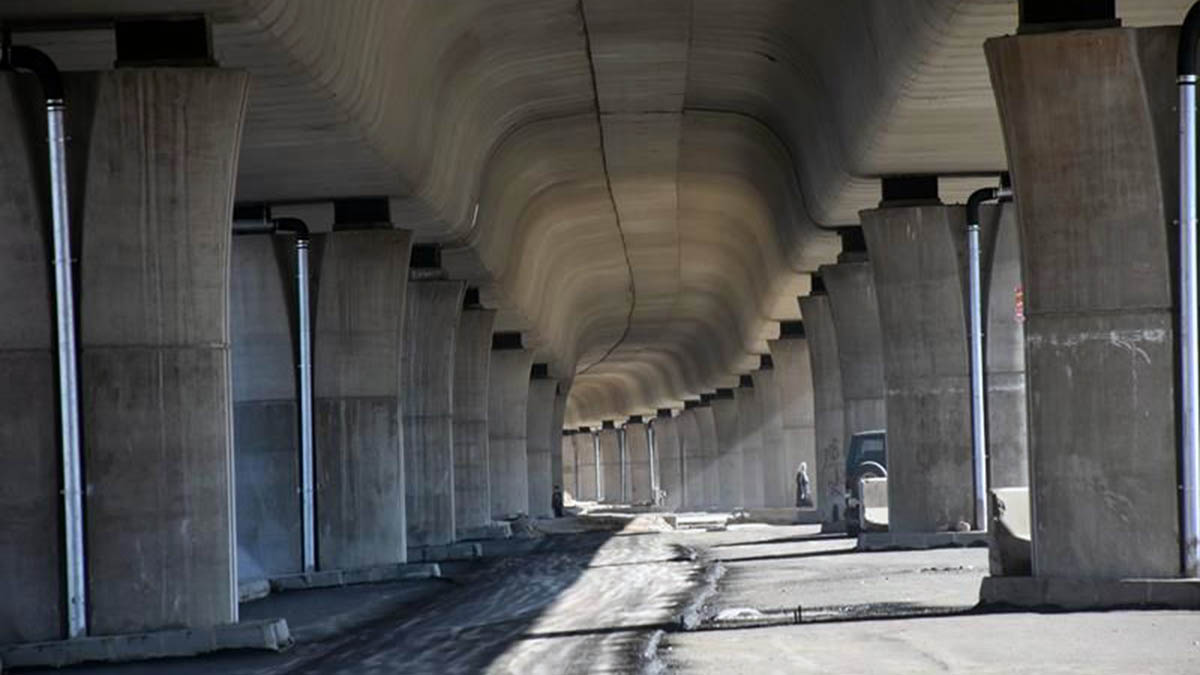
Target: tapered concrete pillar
x,y
793,377
540,429
357,354
610,466
30,533
433,309
1090,125
692,454
637,454
778,487
851,288
159,151
918,256
558,448
472,361
750,439
508,466
828,412
265,409
587,473
1007,417
670,460
570,484
729,450
706,426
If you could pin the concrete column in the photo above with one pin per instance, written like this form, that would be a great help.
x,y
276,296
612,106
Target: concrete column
x,y
778,487
508,398
432,315
828,412
851,287
472,361
793,377
1090,125
265,409
558,473
918,254
637,454
750,438
692,454
610,466
30,533
670,460
357,356
706,425
587,472
160,153
540,429
1007,417
729,450
570,484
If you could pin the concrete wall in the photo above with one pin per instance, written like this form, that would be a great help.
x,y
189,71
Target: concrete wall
x,y
266,438
30,531
610,467
828,410
585,466
706,426
776,490
508,396
472,361
793,377
670,462
357,353
918,255
1096,243
541,431
637,454
729,453
432,316
750,438
160,154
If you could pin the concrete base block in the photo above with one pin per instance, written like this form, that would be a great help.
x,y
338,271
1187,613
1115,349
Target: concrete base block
x,y
834,528
901,541
269,634
254,589
490,531
783,516
1081,594
696,521
365,575
461,551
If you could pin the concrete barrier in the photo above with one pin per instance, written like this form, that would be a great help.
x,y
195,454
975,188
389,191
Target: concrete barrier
x,y
1011,543
873,516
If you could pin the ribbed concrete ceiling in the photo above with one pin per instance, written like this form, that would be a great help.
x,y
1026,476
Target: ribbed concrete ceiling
x,y
639,185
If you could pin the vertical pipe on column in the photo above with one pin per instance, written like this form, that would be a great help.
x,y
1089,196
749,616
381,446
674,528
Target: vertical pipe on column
x,y
1189,337
978,392
27,58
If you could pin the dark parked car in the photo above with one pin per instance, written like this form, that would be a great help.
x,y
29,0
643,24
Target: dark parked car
x,y
866,457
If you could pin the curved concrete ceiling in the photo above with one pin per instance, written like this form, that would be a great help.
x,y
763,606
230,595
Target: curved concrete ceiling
x,y
640,186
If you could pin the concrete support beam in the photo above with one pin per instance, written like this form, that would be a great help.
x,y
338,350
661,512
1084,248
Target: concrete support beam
x,y
432,313
729,452
265,410
706,426
587,471
667,449
541,432
508,397
918,257
692,455
357,354
609,469
793,377
1097,242
472,361
570,484
778,488
158,151
750,438
558,447
31,579
637,455
828,411
1004,331
851,287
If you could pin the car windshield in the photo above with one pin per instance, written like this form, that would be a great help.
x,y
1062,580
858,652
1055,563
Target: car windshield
x,y
866,449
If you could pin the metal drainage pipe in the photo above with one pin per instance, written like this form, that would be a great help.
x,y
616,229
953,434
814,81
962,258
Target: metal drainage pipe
x,y
1189,336
27,58
304,372
978,393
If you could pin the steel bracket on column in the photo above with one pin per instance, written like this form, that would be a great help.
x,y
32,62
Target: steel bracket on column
x,y
179,42
1048,16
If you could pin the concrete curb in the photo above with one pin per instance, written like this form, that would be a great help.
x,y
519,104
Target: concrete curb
x,y
913,541
430,554
365,575
1081,594
268,634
